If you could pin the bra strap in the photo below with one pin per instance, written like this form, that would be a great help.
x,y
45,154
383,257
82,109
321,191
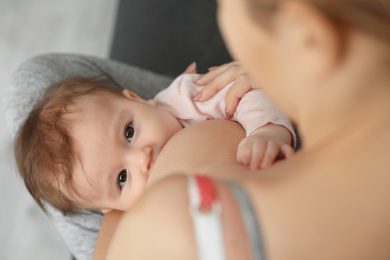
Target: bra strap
x,y
205,210
248,215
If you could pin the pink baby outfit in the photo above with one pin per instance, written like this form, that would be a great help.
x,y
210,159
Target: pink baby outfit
x,y
253,111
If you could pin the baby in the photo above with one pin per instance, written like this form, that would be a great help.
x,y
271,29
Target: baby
x,y
88,145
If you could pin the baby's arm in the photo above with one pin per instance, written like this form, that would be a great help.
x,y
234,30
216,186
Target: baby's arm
x,y
264,146
270,135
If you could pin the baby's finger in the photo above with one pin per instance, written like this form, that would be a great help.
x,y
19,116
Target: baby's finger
x,y
243,155
287,151
258,152
239,88
270,154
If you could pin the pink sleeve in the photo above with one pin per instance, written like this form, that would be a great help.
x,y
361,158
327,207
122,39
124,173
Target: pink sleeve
x,y
256,110
253,111
178,99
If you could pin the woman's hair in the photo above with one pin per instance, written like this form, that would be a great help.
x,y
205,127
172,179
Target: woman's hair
x,y
44,149
370,16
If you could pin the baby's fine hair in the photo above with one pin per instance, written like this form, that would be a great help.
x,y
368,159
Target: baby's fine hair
x,y
44,148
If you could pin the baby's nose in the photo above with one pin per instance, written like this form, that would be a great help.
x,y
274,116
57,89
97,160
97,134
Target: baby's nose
x,y
145,159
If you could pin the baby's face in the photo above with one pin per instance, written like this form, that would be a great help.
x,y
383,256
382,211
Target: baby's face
x,y
118,140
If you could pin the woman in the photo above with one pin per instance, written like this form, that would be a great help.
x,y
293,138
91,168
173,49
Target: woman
x,y
325,63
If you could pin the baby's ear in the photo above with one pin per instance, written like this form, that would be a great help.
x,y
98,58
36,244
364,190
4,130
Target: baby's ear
x,y
131,95
151,102
104,211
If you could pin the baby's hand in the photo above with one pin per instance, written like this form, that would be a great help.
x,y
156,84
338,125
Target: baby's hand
x,y
259,151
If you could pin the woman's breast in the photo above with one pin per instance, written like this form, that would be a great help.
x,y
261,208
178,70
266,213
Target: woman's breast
x,y
208,147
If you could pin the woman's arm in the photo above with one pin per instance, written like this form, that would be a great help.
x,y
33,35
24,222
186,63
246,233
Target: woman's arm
x,y
107,229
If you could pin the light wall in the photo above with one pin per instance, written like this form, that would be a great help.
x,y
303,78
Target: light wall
x,y
29,28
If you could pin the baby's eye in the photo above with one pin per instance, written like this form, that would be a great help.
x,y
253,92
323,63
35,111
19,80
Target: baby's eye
x,y
122,178
129,132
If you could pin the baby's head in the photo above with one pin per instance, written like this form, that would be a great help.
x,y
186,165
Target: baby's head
x,y
89,145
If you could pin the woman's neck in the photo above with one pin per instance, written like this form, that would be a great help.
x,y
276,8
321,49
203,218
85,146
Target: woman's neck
x,y
358,109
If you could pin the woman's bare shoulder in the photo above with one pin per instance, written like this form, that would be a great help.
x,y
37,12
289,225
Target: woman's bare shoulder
x,y
157,225
160,224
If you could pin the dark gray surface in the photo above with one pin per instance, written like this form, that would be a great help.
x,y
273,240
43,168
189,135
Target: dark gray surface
x,y
165,36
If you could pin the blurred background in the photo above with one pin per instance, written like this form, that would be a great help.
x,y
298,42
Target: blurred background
x,y
28,28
